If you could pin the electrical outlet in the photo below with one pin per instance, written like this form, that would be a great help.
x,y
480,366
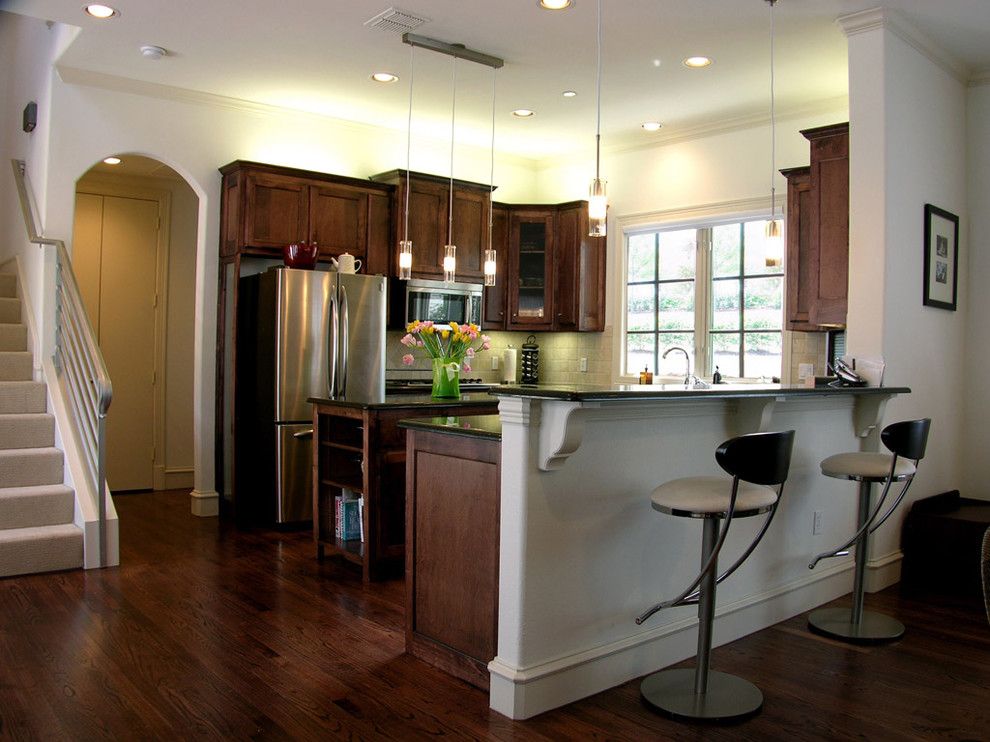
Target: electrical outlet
x,y
584,365
805,370
494,362
816,527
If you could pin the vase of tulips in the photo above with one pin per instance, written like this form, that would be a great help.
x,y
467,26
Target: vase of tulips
x,y
451,348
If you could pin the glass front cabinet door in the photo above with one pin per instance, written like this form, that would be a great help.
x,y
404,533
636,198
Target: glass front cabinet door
x,y
530,270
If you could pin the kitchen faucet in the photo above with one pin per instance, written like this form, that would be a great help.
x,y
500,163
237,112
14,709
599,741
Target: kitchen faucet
x,y
689,378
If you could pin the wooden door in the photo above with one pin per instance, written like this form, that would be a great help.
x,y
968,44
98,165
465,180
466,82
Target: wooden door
x,y
277,211
495,296
470,232
427,226
830,221
802,264
338,220
119,263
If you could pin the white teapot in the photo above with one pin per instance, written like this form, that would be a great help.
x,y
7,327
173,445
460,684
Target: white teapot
x,y
346,263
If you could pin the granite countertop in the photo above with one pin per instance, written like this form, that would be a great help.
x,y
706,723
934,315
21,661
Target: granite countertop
x,y
627,392
398,401
471,426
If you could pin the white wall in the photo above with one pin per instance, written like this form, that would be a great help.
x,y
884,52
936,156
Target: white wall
x,y
907,148
977,348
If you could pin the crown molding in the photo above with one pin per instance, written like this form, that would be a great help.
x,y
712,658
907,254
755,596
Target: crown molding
x,y
723,126
979,79
881,18
116,83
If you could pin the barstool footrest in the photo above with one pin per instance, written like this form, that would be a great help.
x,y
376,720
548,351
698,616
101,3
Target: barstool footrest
x,y
873,628
729,697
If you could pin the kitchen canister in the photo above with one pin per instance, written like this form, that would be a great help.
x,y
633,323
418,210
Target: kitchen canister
x,y
530,361
510,361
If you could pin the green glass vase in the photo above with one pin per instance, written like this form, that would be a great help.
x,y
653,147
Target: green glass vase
x,y
446,379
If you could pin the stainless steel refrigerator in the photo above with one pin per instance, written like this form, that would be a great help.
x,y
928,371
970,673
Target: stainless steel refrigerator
x,y
301,334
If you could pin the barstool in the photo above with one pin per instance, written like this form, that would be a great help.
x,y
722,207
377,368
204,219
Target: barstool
x,y
756,462
906,442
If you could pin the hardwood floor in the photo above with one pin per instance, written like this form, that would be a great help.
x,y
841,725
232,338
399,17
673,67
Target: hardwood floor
x,y
209,632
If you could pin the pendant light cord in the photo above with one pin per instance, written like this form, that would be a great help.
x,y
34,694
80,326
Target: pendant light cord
x,y
405,229
773,123
453,109
598,115
491,171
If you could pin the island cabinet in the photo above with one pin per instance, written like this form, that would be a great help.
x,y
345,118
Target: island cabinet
x,y
818,232
266,207
429,199
553,274
452,538
359,448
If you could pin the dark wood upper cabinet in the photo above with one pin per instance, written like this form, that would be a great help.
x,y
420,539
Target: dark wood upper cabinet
x,y
529,278
495,296
818,232
266,207
579,272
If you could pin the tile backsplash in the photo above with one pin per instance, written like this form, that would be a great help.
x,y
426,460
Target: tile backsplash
x,y
560,357
807,347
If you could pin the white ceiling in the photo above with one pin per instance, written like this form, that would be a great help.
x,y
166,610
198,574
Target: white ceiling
x,y
317,56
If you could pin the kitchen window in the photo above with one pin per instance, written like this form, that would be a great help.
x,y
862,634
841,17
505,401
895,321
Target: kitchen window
x,y
705,288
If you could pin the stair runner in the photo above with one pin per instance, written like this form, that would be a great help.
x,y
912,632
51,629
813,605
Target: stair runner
x,y
36,509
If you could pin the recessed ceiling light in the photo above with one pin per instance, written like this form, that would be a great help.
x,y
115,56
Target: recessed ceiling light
x,y
651,125
697,62
384,77
569,93
555,4
656,63
101,11
112,160
150,51
523,113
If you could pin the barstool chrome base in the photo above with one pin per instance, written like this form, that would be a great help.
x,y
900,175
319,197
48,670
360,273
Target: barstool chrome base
x,y
838,624
729,698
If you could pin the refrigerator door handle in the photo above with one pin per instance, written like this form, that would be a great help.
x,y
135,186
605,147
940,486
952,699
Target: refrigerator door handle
x,y
332,347
344,339
303,434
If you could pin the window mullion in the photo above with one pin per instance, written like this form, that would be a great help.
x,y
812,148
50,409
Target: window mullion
x,y
702,298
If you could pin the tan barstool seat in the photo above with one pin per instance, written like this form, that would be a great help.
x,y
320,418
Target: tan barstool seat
x,y
757,463
906,442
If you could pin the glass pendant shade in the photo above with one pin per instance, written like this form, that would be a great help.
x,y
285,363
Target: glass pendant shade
x,y
597,208
449,263
405,260
774,244
490,267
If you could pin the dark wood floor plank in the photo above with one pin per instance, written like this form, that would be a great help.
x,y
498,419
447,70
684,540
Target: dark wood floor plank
x,y
206,631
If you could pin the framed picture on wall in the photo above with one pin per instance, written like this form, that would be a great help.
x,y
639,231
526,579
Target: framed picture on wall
x,y
941,257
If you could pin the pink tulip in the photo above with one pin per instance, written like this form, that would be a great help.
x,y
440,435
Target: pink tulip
x,y
408,340
408,359
467,367
469,352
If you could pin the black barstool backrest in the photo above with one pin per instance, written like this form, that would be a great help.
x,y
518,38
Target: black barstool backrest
x,y
907,439
760,458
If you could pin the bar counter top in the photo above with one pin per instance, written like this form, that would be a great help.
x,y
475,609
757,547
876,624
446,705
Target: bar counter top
x,y
632,392
412,401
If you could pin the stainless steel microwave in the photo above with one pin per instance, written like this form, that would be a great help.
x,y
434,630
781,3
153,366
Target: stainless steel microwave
x,y
443,302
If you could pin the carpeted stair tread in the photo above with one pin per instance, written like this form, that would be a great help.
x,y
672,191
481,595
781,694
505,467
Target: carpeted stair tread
x,y
26,430
40,549
22,396
10,310
8,285
15,365
24,467
13,337
41,505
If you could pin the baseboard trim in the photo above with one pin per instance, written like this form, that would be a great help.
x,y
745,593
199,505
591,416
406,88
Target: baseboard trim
x,y
521,693
175,478
204,504
883,572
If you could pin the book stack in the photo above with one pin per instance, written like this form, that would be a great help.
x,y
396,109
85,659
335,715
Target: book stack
x,y
348,516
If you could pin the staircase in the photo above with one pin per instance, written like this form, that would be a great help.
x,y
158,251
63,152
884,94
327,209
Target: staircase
x,y
37,533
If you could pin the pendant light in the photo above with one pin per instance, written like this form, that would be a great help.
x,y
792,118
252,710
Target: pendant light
x,y
491,265
597,203
405,244
774,239
450,249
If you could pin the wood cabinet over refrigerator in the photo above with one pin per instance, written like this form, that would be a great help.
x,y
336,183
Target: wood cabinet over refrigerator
x,y
818,233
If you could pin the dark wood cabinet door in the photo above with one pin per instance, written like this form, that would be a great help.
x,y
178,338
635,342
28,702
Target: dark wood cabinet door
x,y
379,256
427,225
830,222
530,286
338,219
802,265
495,296
470,233
579,272
276,211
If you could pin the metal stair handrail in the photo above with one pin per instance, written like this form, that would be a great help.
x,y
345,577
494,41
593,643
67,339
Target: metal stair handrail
x,y
78,361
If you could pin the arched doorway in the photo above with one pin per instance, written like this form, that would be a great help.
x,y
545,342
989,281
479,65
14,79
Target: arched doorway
x,y
134,255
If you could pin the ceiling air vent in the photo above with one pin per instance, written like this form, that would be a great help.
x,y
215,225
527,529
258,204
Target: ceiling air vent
x,y
395,21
